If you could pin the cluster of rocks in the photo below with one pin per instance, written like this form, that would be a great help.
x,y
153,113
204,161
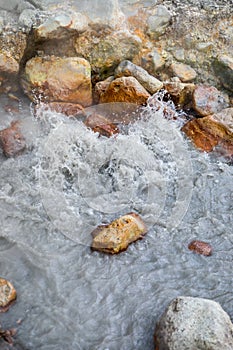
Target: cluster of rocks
x,y
68,59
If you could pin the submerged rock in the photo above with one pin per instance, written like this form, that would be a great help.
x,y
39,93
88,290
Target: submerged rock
x,y
12,141
150,83
125,89
116,237
69,109
102,125
184,72
211,131
208,100
200,247
54,79
7,295
194,324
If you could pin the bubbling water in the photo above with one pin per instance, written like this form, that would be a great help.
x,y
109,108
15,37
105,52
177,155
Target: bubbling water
x,y
72,180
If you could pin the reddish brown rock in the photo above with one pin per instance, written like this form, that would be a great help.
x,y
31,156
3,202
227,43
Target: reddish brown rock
x,y
102,125
200,247
208,100
125,89
66,108
56,79
211,131
7,295
116,237
184,72
12,141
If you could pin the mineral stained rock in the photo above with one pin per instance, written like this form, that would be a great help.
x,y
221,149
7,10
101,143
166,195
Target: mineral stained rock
x,y
7,295
116,237
194,324
200,247
211,131
54,79
125,89
12,141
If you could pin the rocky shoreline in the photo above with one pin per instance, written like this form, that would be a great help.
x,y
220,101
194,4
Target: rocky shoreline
x,y
66,58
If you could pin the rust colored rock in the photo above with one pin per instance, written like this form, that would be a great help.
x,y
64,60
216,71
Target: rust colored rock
x,y
208,100
7,295
211,131
184,72
125,89
102,125
66,108
56,79
116,237
200,247
12,141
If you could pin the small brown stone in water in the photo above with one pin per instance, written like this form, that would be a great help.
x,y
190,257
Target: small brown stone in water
x,y
66,108
12,141
116,237
11,109
200,247
7,295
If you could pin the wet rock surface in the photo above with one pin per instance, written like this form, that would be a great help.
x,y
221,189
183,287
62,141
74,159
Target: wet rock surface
x,y
210,131
102,125
12,141
194,323
53,79
116,236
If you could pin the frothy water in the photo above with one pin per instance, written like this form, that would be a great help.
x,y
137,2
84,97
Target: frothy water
x,y
69,182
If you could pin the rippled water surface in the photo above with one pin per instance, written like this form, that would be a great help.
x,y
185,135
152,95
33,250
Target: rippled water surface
x,y
69,182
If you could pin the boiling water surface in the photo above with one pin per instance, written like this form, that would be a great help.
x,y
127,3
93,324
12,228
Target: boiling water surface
x,y
70,181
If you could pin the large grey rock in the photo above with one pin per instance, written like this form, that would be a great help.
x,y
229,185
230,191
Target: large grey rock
x,y
194,324
150,83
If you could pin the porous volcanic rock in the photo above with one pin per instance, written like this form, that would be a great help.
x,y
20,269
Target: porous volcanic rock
x,y
125,89
194,324
54,79
116,237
